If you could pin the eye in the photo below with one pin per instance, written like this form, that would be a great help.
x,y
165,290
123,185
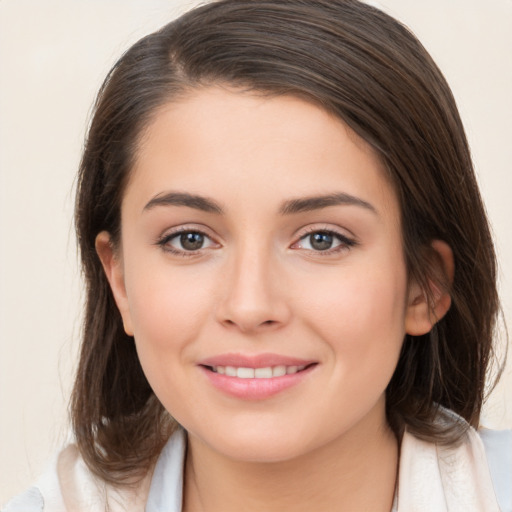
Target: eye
x,y
324,241
189,241
184,242
319,241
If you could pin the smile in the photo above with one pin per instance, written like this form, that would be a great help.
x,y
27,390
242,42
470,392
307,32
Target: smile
x,y
267,372
256,377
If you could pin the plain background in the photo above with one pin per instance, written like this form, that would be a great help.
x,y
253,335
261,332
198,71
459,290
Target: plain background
x,y
53,57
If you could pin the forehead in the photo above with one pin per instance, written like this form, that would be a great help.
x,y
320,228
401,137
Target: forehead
x,y
224,140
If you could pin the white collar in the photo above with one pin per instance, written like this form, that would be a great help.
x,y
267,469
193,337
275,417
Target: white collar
x,y
432,478
166,490
437,478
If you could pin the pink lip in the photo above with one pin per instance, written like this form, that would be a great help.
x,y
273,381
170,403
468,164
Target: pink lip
x,y
254,361
254,389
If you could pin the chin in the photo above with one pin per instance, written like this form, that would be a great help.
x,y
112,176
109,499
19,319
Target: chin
x,y
263,450
260,443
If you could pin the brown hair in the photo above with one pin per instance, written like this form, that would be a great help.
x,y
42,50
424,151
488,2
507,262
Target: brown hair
x,y
372,73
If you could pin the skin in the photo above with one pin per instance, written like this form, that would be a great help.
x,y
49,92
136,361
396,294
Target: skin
x,y
258,284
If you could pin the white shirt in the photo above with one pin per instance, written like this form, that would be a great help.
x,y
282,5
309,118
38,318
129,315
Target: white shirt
x,y
432,478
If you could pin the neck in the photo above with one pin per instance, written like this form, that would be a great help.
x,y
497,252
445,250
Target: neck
x,y
356,471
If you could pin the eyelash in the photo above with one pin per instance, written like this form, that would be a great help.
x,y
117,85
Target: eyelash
x,y
164,241
345,242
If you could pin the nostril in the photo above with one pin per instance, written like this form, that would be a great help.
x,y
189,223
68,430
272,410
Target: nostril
x,y
247,326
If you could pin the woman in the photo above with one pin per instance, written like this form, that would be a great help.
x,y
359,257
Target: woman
x,y
290,275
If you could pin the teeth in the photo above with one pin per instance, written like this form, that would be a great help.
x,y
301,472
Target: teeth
x,y
263,373
245,373
278,371
257,373
230,371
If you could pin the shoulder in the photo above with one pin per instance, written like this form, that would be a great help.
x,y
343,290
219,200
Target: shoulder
x,y
474,474
68,484
498,451
29,501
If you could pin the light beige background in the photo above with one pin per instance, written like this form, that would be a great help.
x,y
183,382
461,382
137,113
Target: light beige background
x,y
53,56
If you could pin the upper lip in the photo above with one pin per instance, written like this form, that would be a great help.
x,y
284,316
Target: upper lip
x,y
254,360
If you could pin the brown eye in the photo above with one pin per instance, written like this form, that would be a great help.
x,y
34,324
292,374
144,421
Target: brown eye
x,y
321,241
186,242
191,241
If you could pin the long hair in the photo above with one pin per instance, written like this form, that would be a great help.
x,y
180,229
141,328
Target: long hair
x,y
370,71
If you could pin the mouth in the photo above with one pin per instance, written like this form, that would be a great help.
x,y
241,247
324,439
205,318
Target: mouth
x,y
258,377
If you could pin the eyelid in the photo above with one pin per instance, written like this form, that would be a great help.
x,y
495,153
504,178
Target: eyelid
x,y
346,240
325,228
169,234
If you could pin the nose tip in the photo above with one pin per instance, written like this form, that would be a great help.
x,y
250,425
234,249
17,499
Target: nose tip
x,y
252,311
254,298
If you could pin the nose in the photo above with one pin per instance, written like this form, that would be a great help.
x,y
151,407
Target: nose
x,y
254,298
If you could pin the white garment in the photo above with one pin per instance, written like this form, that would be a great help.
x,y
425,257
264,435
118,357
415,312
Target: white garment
x,y
432,478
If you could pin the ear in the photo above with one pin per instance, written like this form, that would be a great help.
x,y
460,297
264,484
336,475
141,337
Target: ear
x,y
421,315
113,267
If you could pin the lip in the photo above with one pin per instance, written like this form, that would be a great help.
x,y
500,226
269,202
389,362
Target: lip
x,y
256,388
254,360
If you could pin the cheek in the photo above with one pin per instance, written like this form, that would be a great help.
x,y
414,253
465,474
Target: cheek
x,y
362,315
168,310
360,301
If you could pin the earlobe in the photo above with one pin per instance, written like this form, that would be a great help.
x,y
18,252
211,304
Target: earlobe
x,y
113,268
422,314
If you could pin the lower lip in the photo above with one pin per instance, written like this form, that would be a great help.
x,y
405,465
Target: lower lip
x,y
255,389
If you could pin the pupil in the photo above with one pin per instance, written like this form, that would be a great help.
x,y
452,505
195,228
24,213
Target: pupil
x,y
321,241
191,241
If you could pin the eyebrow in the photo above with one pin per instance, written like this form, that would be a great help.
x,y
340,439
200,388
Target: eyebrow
x,y
290,207
184,199
307,204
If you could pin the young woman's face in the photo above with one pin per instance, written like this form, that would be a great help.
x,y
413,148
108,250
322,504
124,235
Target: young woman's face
x,y
261,272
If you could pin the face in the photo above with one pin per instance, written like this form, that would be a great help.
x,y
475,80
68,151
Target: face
x,y
261,272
